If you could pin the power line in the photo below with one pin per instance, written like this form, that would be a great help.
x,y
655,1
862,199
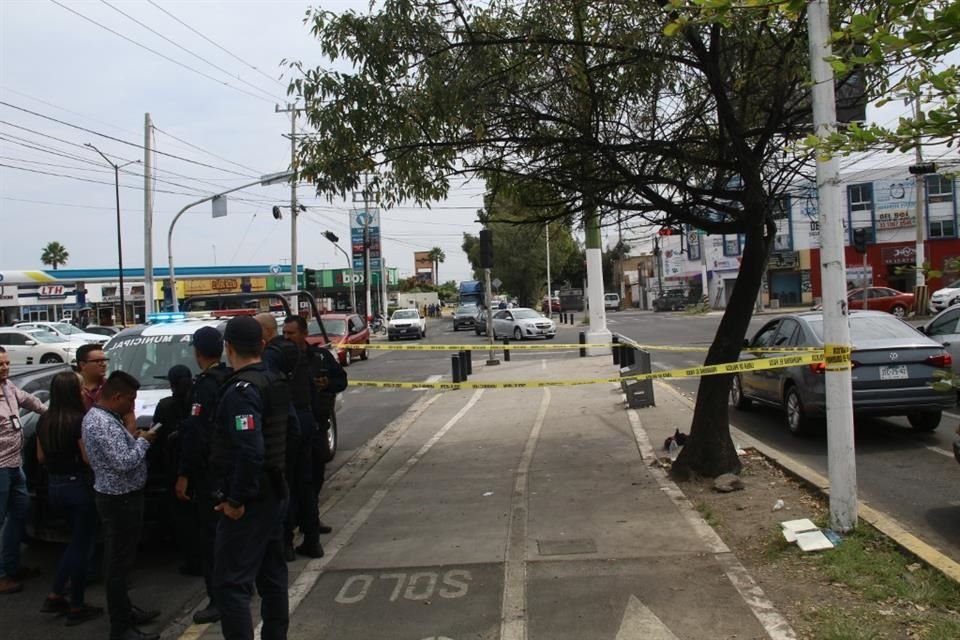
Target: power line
x,y
120,140
209,153
157,53
186,50
227,51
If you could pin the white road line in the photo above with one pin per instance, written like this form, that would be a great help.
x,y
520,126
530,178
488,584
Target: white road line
x,y
776,625
314,569
513,621
543,365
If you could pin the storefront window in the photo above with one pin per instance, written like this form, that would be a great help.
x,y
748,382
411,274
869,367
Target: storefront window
x,y
942,229
731,245
860,196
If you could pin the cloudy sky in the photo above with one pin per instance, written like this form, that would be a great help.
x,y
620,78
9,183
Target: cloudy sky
x,y
210,83
60,64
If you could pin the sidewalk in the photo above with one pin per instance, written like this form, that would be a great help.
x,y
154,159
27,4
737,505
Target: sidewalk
x,y
521,514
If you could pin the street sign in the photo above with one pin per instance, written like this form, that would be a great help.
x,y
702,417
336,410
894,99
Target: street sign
x,y
496,283
219,206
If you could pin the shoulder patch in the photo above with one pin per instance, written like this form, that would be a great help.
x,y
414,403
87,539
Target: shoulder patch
x,y
242,384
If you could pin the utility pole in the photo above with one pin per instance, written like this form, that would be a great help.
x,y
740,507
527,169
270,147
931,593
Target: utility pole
x,y
836,329
148,304
294,285
368,310
920,290
384,305
549,284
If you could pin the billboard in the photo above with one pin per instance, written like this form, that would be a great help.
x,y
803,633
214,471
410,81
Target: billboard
x,y
368,219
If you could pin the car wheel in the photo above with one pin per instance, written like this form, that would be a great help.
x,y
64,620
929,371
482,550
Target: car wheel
x,y
477,330
332,437
456,328
797,420
551,337
364,354
517,334
925,420
347,357
50,358
737,398
899,310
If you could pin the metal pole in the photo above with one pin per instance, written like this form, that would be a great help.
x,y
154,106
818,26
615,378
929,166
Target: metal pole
x,y
491,358
920,292
294,285
840,444
123,299
865,284
368,310
148,300
549,284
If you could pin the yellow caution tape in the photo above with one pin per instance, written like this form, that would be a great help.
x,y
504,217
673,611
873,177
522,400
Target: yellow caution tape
x,y
759,364
558,346
837,356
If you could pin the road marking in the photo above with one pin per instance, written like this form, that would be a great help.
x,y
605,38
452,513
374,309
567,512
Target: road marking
x,y
776,625
543,365
513,621
314,569
639,623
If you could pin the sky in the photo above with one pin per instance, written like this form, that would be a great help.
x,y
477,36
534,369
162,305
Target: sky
x,y
58,60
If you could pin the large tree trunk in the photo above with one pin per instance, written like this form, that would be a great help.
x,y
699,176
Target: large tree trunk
x,y
709,450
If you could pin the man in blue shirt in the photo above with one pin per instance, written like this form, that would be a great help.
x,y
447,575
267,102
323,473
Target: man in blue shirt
x,y
117,452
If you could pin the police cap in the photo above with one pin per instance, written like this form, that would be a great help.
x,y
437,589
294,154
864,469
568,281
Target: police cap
x,y
243,332
208,342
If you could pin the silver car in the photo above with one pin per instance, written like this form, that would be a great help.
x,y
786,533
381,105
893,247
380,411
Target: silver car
x,y
521,323
893,366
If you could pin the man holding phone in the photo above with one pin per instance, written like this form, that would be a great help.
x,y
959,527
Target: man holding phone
x,y
14,500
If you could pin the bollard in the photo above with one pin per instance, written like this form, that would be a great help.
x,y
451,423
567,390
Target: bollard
x,y
506,349
455,365
583,340
616,349
570,318
463,365
469,362
563,317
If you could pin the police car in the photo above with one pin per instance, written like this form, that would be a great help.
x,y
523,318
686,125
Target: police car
x,y
148,351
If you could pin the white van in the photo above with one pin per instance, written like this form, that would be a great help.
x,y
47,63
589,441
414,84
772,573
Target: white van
x,y
611,301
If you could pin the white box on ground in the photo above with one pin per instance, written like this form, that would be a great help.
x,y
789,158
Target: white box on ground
x,y
813,541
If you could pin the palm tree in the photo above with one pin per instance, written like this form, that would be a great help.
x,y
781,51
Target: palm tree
x,y
54,254
437,256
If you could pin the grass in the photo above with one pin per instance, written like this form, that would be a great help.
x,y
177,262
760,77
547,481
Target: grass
x,y
841,624
707,513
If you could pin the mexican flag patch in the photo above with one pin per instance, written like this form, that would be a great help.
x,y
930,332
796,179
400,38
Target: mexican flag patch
x,y
244,423
195,409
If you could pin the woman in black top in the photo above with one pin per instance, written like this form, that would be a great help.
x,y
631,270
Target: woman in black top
x,y
60,449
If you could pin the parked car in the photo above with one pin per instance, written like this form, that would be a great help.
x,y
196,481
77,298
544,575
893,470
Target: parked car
x,y
554,303
521,323
893,366
34,346
64,330
881,299
945,297
611,301
102,330
350,333
944,328
406,323
464,316
480,322
671,300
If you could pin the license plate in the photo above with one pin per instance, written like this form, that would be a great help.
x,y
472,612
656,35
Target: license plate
x,y
897,372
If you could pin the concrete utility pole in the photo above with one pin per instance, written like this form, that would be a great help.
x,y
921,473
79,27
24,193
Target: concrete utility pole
x,y
148,303
549,284
368,310
294,285
836,329
920,292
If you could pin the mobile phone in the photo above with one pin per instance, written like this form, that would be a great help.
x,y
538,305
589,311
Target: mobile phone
x,y
156,427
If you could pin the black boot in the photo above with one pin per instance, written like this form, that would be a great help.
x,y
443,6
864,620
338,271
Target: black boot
x,y
311,549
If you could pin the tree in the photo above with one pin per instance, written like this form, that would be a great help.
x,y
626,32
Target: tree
x,y
649,109
437,257
54,254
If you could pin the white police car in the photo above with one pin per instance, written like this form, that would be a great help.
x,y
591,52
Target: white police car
x,y
148,351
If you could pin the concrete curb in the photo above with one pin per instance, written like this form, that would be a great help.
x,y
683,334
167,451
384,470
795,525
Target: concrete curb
x,y
885,524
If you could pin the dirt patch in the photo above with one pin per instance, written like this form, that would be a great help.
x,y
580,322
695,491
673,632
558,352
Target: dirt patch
x,y
864,589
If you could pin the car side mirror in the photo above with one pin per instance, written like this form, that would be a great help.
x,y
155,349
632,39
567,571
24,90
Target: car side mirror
x,y
30,343
923,329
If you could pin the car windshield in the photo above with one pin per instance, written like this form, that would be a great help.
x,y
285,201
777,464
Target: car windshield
x,y
953,285
523,314
44,336
148,358
611,296
335,326
406,314
65,329
866,328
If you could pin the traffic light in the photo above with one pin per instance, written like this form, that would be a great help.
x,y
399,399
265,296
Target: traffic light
x,y
860,240
310,279
486,249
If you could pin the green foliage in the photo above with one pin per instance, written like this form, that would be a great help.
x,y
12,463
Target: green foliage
x,y
54,255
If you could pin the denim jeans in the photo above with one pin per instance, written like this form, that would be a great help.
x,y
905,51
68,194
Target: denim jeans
x,y
122,520
14,507
73,497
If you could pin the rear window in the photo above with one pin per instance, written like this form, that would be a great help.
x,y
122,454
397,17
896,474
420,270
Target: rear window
x,y
863,328
149,358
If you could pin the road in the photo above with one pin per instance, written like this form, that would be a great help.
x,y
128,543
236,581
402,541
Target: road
x,y
910,476
156,582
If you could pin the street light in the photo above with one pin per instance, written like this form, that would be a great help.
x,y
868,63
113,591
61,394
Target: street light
x,y
116,184
264,181
332,237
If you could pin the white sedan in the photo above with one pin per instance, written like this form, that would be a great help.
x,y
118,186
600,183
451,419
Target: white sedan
x,y
521,323
25,346
64,331
406,323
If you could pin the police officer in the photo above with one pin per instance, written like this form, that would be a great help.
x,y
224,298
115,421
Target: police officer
x,y
316,379
194,485
247,459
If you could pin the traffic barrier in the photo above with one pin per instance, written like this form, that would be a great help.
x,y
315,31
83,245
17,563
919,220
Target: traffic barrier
x,y
506,349
561,346
454,366
616,349
583,342
759,364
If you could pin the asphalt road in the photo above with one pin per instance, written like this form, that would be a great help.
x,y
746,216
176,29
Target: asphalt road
x,y
910,476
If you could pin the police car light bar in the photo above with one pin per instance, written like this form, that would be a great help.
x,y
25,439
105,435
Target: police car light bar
x,y
167,316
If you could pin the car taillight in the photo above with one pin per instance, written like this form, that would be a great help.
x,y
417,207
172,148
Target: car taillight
x,y
944,361
818,367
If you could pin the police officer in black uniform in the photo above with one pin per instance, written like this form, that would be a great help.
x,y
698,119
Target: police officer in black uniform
x,y
194,484
247,459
